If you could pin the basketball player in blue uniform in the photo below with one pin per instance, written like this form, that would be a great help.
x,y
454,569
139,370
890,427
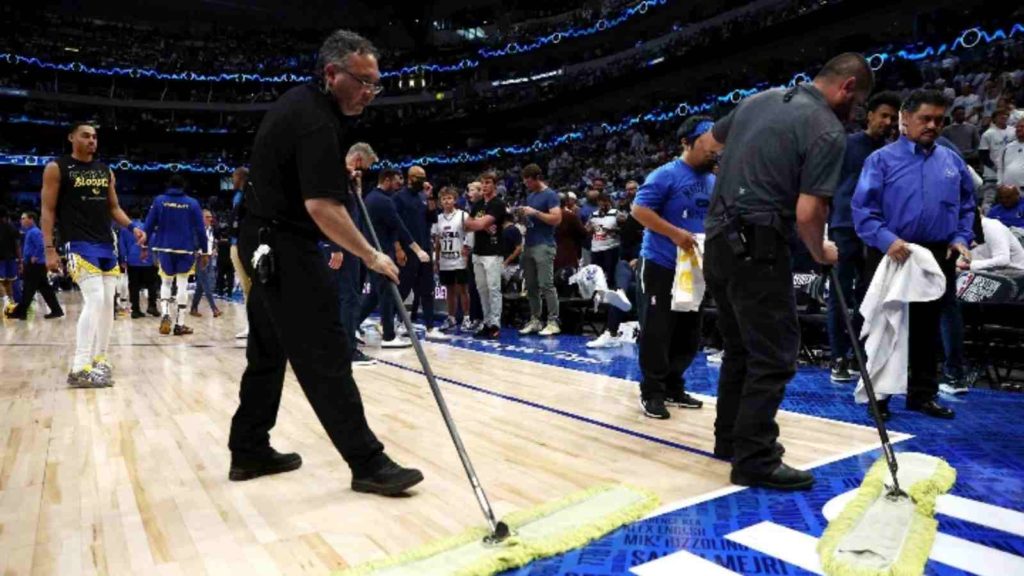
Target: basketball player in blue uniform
x,y
175,225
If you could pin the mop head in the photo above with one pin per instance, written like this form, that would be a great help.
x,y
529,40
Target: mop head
x,y
879,536
548,530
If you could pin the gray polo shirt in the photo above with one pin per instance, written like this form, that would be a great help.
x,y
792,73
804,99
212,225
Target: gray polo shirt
x,y
775,150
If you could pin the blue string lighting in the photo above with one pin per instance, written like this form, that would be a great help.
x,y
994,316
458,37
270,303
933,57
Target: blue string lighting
x,y
572,32
464,64
967,39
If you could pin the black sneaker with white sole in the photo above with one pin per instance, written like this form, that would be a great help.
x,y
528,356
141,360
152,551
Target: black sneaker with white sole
x,y
683,400
655,408
841,371
360,359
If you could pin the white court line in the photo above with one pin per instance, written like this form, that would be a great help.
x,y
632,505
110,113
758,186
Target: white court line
x,y
799,549
780,542
975,558
681,563
973,511
705,397
694,500
981,513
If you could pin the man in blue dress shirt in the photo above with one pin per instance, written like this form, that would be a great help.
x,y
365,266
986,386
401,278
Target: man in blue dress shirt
x,y
913,191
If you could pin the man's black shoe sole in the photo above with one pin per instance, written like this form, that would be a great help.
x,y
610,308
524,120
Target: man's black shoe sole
x,y
242,474
387,489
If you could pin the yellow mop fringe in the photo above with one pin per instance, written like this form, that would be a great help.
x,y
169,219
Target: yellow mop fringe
x,y
518,551
919,535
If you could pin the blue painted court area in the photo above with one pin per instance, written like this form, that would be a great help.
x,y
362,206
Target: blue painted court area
x,y
755,531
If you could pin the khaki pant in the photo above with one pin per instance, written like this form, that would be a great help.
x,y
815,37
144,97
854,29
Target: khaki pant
x,y
243,277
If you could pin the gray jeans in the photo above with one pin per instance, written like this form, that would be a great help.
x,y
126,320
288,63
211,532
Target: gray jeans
x,y
538,263
487,270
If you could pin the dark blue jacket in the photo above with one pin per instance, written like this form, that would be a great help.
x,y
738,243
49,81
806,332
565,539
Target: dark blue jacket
x,y
386,223
412,209
858,147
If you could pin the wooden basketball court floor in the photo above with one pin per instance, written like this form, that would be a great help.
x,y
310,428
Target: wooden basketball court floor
x,y
133,479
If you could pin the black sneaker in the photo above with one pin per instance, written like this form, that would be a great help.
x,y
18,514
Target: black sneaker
x,y
136,314
782,478
360,359
53,315
683,400
841,371
488,333
153,312
390,480
655,408
248,467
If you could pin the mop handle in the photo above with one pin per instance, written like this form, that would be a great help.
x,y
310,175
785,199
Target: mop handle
x,y
883,434
474,480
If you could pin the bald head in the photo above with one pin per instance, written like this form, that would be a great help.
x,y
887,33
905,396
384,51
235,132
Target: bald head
x,y
845,66
845,81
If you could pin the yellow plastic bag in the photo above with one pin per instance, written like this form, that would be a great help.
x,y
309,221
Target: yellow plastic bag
x,y
688,288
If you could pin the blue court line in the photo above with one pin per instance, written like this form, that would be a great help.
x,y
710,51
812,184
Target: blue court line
x,y
557,411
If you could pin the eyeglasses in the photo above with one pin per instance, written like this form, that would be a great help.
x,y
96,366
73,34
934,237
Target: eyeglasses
x,y
372,87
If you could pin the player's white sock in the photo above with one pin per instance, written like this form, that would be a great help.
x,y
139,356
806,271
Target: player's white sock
x,y
165,294
88,322
182,281
106,320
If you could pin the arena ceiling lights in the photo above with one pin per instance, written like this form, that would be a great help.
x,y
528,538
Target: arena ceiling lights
x,y
965,40
512,48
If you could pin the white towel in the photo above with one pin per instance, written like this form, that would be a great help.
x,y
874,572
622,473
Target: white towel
x,y
886,321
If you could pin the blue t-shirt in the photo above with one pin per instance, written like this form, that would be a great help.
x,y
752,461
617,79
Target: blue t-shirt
x,y
681,196
1012,216
537,232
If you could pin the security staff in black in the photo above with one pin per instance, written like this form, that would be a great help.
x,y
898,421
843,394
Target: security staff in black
x,y
299,187
783,154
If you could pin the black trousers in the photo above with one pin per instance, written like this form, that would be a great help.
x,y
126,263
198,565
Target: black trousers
x,y
35,281
418,277
761,339
140,277
668,340
225,274
296,319
925,325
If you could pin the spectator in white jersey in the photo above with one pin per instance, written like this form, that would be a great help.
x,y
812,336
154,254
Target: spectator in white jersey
x,y
451,257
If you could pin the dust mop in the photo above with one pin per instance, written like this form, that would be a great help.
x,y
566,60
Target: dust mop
x,y
888,528
523,536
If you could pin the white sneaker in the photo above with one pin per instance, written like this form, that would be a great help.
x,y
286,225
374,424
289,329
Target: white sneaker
x,y
605,340
438,335
468,325
243,335
550,330
715,358
531,327
400,329
618,299
396,342
449,324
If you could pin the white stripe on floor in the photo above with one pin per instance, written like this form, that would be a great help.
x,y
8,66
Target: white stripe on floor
x,y
681,563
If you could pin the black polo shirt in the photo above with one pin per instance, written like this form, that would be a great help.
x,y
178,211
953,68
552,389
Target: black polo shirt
x,y
778,144
299,154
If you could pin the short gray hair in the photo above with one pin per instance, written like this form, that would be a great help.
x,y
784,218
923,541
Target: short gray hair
x,y
363,149
339,45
